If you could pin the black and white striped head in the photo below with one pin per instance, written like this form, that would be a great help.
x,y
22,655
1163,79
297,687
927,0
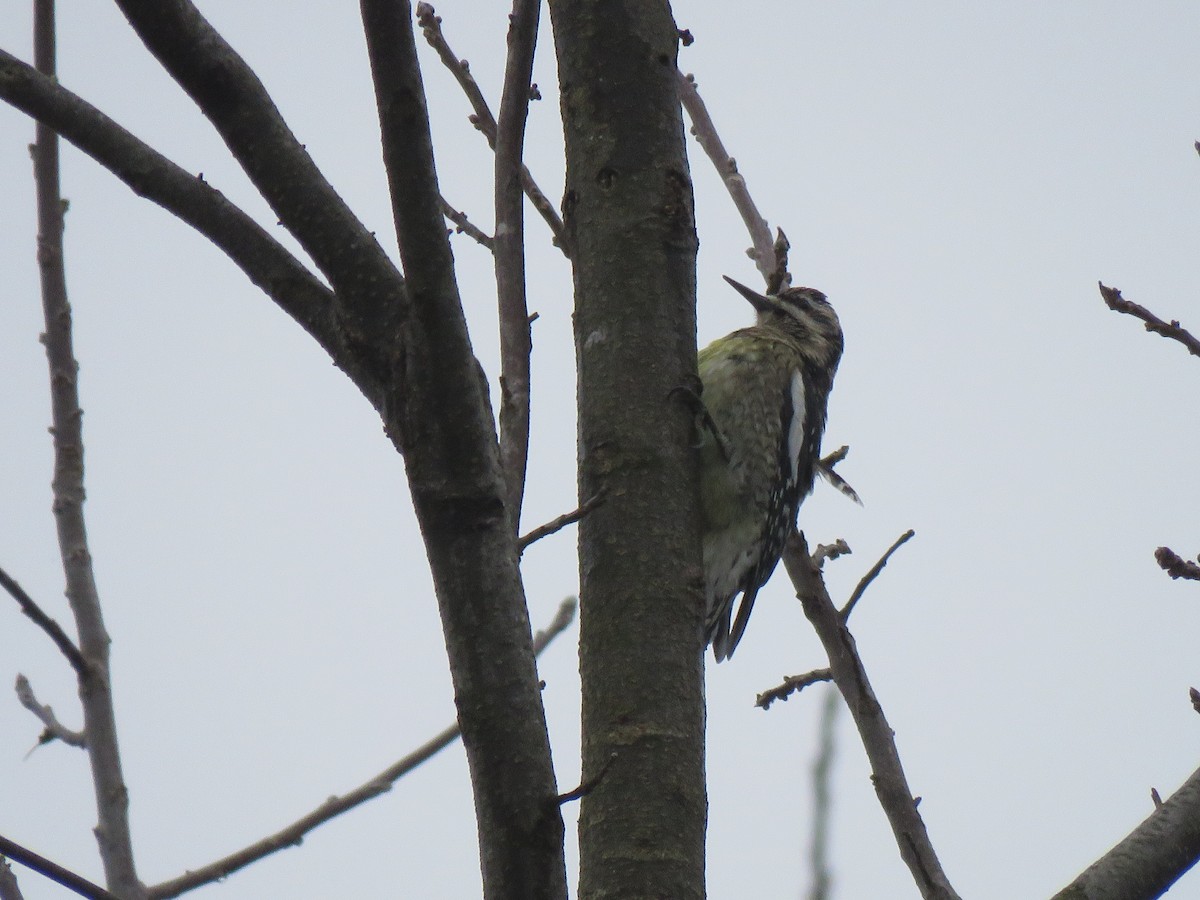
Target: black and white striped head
x,y
805,316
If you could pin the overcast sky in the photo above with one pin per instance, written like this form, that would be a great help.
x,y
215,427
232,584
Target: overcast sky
x,y
956,177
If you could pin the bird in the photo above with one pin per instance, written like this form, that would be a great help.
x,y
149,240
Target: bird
x,y
764,395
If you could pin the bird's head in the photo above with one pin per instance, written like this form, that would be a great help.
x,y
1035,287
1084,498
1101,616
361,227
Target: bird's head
x,y
803,315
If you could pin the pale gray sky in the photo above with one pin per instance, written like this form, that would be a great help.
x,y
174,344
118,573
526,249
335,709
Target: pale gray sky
x,y
956,177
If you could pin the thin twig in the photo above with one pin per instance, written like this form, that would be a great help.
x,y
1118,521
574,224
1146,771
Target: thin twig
x,y
1173,330
792,684
1175,565
873,573
560,523
55,730
294,833
53,871
151,175
509,252
463,225
99,718
822,777
588,785
887,772
763,251
46,623
431,27
563,617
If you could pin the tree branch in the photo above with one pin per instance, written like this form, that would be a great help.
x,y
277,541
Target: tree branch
x,y
443,424
463,225
792,684
151,175
45,714
64,643
873,573
588,785
1173,330
562,619
763,251
509,252
293,834
559,523
482,119
1151,858
95,685
822,777
370,299
887,773
53,871
796,683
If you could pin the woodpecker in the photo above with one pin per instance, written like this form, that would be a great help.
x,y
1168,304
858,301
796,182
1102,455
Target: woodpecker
x,y
765,390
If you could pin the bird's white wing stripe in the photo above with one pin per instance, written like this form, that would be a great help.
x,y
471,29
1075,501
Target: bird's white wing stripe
x,y
796,430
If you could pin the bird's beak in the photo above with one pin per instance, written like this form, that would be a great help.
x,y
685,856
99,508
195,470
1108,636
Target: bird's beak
x,y
760,302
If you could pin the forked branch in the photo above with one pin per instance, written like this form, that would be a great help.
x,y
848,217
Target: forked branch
x,y
444,425
887,772
368,296
54,729
151,175
483,120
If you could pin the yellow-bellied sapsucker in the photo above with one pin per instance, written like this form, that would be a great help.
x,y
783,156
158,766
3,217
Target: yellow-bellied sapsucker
x,y
765,390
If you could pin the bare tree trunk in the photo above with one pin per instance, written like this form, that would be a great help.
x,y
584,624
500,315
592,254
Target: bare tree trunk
x,y
629,216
